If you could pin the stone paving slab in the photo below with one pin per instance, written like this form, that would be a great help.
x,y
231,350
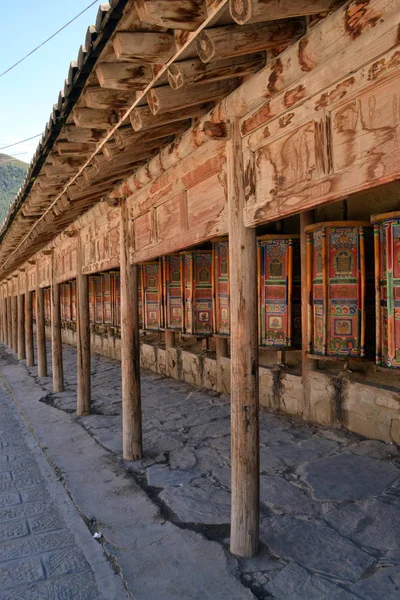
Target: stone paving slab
x,y
330,500
37,543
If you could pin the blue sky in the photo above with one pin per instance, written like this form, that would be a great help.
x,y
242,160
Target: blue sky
x,y
28,92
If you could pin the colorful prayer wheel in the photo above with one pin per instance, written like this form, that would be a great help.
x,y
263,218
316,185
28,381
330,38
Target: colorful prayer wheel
x,y
198,292
152,295
279,291
107,298
221,287
337,281
387,288
174,292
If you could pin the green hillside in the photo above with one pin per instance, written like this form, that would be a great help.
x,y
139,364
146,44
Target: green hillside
x,y
12,174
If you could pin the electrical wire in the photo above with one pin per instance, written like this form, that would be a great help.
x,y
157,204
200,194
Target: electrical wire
x,y
21,142
47,40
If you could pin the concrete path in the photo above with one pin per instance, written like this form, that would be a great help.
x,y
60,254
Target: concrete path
x,y
46,550
330,512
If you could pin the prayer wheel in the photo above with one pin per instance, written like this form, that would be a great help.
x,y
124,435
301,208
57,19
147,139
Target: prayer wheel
x,y
279,290
221,287
198,292
152,295
337,279
174,292
387,288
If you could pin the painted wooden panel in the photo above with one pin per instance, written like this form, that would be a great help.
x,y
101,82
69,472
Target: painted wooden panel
x,y
143,230
221,287
206,204
169,217
338,279
279,291
152,295
198,292
335,143
387,287
173,278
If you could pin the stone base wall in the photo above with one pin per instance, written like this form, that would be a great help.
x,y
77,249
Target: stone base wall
x,y
370,410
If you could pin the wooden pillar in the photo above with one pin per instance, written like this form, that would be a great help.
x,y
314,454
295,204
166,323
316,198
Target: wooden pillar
x,y
21,327
221,347
14,318
3,321
30,360
40,332
130,347
56,342
6,317
307,364
82,337
9,323
244,361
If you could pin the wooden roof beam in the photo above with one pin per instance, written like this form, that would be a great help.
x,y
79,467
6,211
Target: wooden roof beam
x,y
75,134
224,42
256,11
103,99
92,118
75,149
173,14
124,75
155,48
194,72
142,118
164,99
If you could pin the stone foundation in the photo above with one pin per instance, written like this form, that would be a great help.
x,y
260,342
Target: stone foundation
x,y
336,400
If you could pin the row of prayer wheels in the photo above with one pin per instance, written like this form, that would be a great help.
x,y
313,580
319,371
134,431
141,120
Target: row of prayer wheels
x,y
189,291
353,287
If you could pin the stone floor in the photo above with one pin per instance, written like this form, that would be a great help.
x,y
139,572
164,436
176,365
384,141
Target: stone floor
x,y
330,501
45,548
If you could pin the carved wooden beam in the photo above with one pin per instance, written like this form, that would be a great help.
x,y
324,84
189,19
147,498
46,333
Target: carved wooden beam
x,y
193,72
163,99
124,75
93,118
224,42
256,11
142,118
155,48
173,14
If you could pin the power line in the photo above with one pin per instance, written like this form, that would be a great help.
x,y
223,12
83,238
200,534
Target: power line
x,y
22,141
48,39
